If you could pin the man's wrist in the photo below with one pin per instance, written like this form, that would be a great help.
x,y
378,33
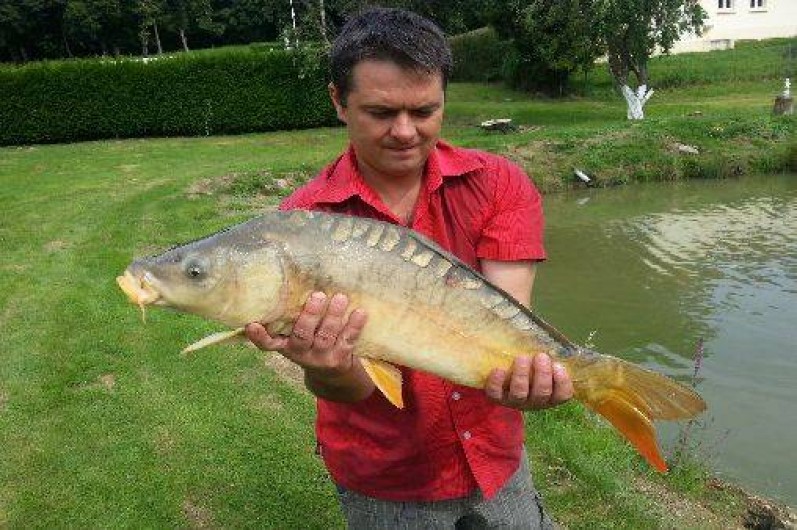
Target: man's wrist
x,y
334,377
344,386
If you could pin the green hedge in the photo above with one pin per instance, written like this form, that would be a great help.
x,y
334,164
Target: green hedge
x,y
188,94
478,55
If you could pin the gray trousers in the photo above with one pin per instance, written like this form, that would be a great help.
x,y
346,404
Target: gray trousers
x,y
516,506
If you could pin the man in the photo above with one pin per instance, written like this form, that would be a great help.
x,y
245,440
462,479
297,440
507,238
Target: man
x,y
453,457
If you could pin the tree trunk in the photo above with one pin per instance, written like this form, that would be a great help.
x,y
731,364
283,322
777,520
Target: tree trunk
x,y
323,22
293,25
636,100
66,44
157,38
184,40
784,106
144,35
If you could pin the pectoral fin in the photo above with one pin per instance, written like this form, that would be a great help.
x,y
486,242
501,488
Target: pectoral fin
x,y
387,379
216,338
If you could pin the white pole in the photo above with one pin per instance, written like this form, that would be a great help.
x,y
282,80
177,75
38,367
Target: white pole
x,y
293,22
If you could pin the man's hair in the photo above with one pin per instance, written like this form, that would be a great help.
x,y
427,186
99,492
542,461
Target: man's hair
x,y
405,38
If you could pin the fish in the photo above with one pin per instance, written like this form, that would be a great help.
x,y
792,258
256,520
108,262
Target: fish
x,y
427,310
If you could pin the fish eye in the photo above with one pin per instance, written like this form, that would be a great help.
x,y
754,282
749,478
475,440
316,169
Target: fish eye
x,y
194,270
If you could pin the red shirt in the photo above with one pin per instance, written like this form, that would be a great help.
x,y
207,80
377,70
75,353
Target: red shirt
x,y
449,439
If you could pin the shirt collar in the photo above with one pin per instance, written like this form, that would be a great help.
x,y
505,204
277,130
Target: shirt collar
x,y
343,180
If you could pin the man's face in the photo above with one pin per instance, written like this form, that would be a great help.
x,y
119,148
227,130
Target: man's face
x,y
393,116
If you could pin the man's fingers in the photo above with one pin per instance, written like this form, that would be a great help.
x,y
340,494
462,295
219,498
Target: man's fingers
x,y
542,381
322,338
562,385
495,385
259,336
327,333
304,329
533,384
353,328
519,382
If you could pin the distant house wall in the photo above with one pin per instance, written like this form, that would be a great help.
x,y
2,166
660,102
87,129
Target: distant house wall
x,y
731,20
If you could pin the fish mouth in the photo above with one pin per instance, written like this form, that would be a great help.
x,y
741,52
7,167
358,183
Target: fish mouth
x,y
138,290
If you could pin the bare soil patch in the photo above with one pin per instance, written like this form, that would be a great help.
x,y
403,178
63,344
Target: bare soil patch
x,y
285,369
266,403
250,192
210,186
541,161
196,515
747,511
763,514
107,380
688,513
164,441
56,245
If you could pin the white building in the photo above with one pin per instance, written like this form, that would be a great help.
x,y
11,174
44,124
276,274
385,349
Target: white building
x,y
732,20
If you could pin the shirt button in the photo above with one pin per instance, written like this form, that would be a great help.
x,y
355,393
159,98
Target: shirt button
x,y
455,396
466,435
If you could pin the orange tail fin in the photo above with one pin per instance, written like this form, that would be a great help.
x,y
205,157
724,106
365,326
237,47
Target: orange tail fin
x,y
635,426
631,398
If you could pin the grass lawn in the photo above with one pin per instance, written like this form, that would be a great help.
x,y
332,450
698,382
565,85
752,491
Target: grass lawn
x,y
104,424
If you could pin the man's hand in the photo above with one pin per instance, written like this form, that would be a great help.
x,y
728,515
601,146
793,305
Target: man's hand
x,y
322,342
532,384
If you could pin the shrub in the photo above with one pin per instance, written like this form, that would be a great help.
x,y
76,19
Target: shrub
x,y
478,55
790,157
189,94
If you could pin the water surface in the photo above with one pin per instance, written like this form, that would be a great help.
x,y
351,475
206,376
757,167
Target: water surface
x,y
645,272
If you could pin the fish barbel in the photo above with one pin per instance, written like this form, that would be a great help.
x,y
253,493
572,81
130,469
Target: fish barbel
x,y
426,310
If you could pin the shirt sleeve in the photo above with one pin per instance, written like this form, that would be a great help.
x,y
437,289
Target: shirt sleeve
x,y
513,229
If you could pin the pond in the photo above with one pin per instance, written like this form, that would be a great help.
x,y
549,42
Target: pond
x,y
648,272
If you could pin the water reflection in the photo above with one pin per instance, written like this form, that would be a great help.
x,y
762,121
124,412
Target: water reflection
x,y
652,269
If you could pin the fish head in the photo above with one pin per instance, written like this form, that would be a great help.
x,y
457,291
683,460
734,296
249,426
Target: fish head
x,y
228,278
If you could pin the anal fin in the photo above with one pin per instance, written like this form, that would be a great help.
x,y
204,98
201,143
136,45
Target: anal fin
x,y
387,379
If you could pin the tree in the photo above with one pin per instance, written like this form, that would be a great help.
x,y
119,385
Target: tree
x,y
31,29
187,15
148,13
550,39
247,21
308,20
104,25
453,16
12,30
633,30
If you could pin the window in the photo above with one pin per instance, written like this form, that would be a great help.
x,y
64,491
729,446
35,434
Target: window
x,y
727,4
721,44
758,4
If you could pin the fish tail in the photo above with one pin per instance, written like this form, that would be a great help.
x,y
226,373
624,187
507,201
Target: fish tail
x,y
631,398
